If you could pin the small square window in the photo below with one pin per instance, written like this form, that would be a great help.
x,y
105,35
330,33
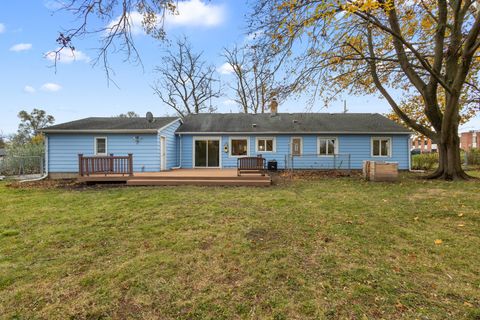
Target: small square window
x,y
381,147
327,146
265,145
239,147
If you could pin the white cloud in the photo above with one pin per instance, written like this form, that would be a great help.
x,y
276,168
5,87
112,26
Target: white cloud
x,y
67,56
53,4
29,89
21,47
51,87
2,28
135,19
225,68
229,102
197,13
190,13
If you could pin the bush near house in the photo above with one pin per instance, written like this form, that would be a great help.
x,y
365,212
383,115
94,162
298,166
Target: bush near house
x,y
23,157
424,161
472,157
330,248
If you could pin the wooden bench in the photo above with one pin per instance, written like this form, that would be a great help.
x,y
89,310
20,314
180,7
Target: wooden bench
x,y
251,165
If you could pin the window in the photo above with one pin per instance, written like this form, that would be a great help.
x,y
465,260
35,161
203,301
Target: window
x,y
265,145
327,146
238,147
381,147
100,146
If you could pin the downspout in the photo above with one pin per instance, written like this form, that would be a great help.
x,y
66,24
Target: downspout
x,y
180,155
410,153
46,164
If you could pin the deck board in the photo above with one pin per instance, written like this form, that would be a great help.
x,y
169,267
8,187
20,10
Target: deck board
x,y
205,177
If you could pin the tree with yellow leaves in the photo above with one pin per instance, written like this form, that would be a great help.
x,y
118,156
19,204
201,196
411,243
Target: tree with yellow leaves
x,y
417,50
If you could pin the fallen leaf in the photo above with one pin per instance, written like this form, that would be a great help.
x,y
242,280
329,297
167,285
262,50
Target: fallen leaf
x,y
416,218
460,214
468,304
460,225
438,242
400,306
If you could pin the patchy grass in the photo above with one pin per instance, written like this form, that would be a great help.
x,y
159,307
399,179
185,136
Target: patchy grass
x,y
327,248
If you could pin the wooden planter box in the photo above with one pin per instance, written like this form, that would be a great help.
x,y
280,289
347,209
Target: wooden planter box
x,y
380,171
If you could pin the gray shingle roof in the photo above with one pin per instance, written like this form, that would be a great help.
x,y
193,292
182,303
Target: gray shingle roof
x,y
290,123
111,124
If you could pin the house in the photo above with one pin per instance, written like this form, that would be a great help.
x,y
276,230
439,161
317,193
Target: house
x,y
3,153
470,140
421,144
294,140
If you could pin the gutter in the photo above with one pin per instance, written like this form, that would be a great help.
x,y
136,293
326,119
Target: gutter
x,y
45,175
101,131
292,132
410,153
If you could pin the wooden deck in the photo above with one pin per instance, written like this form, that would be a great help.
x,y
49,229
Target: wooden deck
x,y
203,177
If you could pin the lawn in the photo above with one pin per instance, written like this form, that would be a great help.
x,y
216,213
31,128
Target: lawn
x,y
329,248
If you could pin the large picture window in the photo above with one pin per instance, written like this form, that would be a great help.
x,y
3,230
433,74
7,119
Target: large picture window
x,y
327,146
239,147
265,144
381,147
100,146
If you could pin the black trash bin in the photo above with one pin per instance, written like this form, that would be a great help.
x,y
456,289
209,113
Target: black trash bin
x,y
272,165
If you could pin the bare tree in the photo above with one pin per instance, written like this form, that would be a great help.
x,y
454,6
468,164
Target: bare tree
x,y
114,21
254,78
129,114
186,83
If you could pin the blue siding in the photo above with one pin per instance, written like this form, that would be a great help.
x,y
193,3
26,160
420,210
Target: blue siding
x,y
171,144
63,150
357,147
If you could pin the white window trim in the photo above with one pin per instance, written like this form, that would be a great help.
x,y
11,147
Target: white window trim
x,y
274,144
230,146
95,146
335,151
301,145
219,139
390,144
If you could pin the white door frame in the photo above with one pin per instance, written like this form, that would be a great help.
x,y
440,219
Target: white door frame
x,y
163,153
219,139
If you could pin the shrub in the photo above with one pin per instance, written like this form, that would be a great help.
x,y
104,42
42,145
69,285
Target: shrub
x,y
472,157
23,158
424,161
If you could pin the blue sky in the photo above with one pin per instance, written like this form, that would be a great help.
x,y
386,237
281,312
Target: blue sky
x,y
28,30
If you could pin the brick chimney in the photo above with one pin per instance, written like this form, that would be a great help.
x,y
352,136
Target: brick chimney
x,y
273,106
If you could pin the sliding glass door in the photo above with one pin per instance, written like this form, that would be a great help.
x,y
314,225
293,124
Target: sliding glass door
x,y
207,153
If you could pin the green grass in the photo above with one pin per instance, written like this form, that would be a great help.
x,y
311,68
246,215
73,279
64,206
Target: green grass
x,y
322,249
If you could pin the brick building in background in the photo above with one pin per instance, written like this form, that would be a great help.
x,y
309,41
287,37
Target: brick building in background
x,y
470,139
423,145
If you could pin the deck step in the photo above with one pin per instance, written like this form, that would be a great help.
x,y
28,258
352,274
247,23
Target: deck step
x,y
197,182
173,177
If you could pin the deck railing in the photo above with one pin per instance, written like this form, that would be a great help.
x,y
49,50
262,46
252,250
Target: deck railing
x,y
105,165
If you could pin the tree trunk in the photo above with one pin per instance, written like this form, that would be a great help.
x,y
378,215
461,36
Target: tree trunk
x,y
449,162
